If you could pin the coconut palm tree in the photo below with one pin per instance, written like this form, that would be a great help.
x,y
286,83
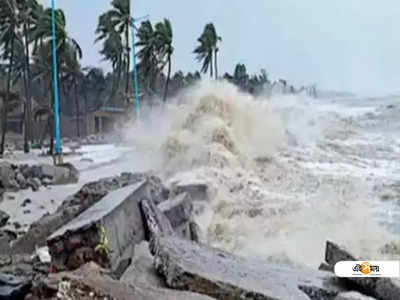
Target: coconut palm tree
x,y
208,49
42,35
117,20
27,11
147,54
9,22
163,41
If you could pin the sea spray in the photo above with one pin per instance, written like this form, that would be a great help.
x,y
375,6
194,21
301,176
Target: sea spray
x,y
270,199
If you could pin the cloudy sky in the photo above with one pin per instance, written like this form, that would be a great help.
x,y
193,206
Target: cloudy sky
x,y
351,45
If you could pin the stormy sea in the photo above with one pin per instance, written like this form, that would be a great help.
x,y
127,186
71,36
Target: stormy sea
x,y
286,173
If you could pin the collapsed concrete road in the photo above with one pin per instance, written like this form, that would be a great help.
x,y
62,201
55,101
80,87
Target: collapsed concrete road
x,y
190,266
380,288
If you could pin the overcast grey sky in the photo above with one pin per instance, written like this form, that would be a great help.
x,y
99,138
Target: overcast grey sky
x,y
342,44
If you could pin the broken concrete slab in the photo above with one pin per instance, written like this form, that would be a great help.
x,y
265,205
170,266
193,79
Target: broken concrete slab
x,y
198,190
156,223
73,205
141,272
380,288
103,233
186,265
178,210
92,282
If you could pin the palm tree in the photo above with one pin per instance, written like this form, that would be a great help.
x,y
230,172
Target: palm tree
x,y
164,47
42,35
8,35
117,20
147,55
208,49
72,76
28,13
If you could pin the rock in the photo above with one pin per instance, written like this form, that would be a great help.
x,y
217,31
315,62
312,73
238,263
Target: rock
x,y
92,282
380,288
13,288
21,180
201,269
27,211
66,174
4,217
114,224
33,183
6,236
17,225
352,296
7,177
47,181
11,197
26,202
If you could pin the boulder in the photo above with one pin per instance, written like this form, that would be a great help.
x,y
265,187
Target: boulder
x,y
380,288
186,265
4,217
352,296
103,233
13,288
33,183
6,237
7,177
21,180
66,174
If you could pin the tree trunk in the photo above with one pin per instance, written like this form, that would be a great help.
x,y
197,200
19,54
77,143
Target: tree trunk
x,y
52,134
128,59
77,110
86,112
211,66
6,100
216,64
28,120
168,78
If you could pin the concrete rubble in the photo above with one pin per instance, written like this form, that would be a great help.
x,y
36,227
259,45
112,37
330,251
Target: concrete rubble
x,y
87,196
130,237
19,177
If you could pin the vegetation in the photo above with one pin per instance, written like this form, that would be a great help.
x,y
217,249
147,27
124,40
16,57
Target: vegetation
x,y
26,76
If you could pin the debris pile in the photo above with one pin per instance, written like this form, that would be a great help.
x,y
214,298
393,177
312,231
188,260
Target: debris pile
x,y
129,237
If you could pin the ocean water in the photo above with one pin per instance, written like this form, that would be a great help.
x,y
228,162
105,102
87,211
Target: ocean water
x,y
286,173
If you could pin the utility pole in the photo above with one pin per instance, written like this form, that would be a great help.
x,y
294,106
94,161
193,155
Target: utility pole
x,y
58,154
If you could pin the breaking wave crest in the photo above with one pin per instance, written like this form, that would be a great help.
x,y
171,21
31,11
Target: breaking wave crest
x,y
257,157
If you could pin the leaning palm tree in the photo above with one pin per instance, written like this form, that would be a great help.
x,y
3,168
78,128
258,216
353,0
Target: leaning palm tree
x,y
208,49
163,44
118,20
